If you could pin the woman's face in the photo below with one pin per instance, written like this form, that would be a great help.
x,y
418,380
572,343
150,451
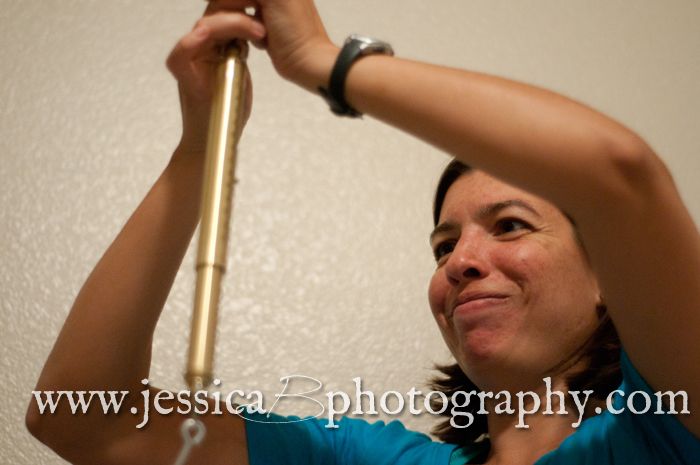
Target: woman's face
x,y
512,293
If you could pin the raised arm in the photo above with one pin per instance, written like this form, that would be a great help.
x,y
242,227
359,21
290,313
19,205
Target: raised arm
x,y
642,242
105,343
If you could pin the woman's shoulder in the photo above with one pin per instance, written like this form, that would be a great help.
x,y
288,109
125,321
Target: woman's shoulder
x,y
638,425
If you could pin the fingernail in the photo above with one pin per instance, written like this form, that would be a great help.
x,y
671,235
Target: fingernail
x,y
259,30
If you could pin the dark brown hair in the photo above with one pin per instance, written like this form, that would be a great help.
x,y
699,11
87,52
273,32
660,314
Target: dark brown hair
x,y
600,354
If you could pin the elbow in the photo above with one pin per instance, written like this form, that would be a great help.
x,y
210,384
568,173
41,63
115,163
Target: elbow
x,y
40,427
40,419
633,171
48,430
33,421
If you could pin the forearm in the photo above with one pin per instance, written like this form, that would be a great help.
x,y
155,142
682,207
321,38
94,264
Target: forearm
x,y
520,133
105,342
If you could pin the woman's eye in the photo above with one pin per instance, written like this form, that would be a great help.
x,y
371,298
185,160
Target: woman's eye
x,y
443,249
509,225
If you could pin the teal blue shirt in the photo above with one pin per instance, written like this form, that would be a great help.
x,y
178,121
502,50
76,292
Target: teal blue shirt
x,y
606,439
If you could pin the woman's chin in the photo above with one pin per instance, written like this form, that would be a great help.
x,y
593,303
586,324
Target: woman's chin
x,y
484,355
484,343
478,352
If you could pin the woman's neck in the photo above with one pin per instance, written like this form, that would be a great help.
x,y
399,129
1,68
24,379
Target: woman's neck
x,y
537,425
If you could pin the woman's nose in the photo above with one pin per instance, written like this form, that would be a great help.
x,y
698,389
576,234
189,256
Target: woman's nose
x,y
466,262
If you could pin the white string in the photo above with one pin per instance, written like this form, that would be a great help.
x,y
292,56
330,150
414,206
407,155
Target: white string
x,y
192,432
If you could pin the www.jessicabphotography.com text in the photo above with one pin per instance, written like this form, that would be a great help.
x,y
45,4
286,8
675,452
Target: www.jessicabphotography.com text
x,y
361,402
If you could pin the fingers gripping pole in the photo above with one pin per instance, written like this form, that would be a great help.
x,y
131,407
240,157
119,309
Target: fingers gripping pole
x,y
225,124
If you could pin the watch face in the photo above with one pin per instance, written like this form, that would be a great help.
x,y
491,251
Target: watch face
x,y
370,45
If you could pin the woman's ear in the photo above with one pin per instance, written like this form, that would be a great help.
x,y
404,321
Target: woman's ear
x,y
600,306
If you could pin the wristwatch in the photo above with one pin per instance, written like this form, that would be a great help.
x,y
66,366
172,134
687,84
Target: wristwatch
x,y
355,47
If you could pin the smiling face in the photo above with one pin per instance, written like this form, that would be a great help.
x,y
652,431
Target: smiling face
x,y
512,293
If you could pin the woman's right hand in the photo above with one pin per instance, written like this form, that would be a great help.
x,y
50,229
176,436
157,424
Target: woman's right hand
x,y
195,58
297,41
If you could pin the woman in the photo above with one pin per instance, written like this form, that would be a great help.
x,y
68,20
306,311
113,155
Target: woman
x,y
518,292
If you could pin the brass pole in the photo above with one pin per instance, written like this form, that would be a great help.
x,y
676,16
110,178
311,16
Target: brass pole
x,y
225,126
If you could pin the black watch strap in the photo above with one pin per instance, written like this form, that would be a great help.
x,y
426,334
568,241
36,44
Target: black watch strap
x,y
351,51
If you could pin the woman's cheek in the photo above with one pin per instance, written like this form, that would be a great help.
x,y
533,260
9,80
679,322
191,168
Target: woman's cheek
x,y
522,261
437,296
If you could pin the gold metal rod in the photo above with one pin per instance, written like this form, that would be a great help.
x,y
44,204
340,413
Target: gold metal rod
x,y
225,126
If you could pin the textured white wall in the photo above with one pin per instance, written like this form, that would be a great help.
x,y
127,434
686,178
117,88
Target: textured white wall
x,y
330,263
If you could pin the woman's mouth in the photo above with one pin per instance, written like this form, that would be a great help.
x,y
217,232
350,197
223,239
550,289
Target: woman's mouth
x,y
476,301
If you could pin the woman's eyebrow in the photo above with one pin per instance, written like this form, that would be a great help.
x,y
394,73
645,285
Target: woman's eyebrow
x,y
442,228
492,209
486,211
